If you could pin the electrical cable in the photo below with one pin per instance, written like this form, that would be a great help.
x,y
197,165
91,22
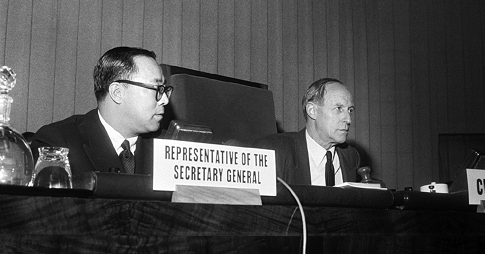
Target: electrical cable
x,y
289,223
303,219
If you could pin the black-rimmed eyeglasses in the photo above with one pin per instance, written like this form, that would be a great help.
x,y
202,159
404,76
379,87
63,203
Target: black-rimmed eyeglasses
x,y
159,88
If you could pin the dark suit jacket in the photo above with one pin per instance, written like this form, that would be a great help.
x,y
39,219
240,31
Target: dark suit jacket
x,y
292,163
90,148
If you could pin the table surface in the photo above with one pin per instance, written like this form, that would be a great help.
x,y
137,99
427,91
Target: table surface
x,y
50,223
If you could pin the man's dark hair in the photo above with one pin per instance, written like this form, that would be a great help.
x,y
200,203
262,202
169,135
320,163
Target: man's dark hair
x,y
116,64
315,92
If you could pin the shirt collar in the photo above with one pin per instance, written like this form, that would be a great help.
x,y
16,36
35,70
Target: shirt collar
x,y
115,136
315,151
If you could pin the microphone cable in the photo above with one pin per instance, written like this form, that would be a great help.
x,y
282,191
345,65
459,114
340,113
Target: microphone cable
x,y
303,219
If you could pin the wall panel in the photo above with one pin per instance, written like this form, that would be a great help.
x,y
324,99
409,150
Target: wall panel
x,y
17,57
387,90
132,33
333,38
190,34
420,88
65,60
225,39
172,32
305,56
3,29
403,94
473,67
482,34
112,24
42,67
208,36
319,15
374,113
88,52
259,41
438,70
346,51
153,27
242,39
360,122
455,68
437,76
290,67
275,57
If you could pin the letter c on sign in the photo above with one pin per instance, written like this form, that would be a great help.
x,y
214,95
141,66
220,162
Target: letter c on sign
x,y
479,186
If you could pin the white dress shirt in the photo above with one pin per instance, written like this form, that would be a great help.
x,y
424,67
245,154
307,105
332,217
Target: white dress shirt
x,y
318,159
116,138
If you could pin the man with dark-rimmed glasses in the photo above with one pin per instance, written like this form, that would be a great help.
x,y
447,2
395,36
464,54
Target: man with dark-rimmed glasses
x,y
131,95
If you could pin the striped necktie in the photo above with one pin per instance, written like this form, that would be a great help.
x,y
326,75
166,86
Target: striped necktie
x,y
127,158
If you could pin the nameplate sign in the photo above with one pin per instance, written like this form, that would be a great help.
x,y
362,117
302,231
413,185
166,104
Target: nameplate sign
x,y
476,186
212,165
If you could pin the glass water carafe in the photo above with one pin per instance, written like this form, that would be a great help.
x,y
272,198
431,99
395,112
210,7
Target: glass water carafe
x,y
16,161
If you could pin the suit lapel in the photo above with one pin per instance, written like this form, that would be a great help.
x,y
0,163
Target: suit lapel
x,y
345,163
302,175
97,145
144,156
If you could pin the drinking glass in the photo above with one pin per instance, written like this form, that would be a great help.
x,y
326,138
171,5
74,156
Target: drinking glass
x,y
52,169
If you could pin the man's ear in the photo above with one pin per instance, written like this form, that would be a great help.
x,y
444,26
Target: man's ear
x,y
311,110
116,92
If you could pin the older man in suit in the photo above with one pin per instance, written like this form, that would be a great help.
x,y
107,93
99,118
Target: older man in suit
x,y
130,90
318,154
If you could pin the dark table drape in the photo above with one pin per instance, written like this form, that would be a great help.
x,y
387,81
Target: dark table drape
x,y
56,224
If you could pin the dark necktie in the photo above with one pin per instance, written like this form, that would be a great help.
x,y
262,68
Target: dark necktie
x,y
329,172
127,158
